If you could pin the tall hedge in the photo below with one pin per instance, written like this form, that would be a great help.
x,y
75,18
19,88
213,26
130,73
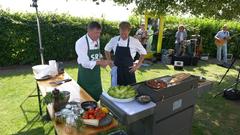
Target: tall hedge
x,y
19,39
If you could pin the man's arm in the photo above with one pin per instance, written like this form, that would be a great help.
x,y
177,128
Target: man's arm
x,y
108,55
83,59
185,36
217,36
177,37
228,36
142,51
140,61
102,63
108,48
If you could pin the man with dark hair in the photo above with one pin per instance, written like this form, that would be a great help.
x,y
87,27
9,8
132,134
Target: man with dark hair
x,y
125,48
88,51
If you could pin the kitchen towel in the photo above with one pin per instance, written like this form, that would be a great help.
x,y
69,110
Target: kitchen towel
x,y
114,76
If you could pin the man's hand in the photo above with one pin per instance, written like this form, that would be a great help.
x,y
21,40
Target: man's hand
x,y
103,63
137,64
111,64
134,67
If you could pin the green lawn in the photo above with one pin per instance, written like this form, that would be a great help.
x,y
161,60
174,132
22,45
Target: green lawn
x,y
212,116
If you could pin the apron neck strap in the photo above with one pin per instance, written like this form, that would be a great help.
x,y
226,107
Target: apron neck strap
x,y
127,41
87,42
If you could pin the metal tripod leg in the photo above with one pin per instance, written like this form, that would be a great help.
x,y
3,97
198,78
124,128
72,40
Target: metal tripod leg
x,y
39,100
234,84
228,70
237,80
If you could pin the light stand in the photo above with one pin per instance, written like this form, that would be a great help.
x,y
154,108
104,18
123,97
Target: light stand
x,y
41,49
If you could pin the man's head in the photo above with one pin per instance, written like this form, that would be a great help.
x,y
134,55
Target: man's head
x,y
224,27
181,28
142,26
94,30
124,29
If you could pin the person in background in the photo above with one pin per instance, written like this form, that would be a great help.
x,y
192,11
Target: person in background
x,y
150,33
222,34
142,35
180,36
125,48
89,62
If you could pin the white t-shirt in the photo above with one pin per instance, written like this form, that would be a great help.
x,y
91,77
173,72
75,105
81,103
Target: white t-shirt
x,y
81,49
134,45
181,36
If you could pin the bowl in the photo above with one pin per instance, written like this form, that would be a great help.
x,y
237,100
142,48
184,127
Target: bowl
x,y
39,68
64,101
40,71
143,99
66,96
88,105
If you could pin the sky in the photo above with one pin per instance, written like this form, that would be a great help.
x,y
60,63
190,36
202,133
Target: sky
x,y
82,8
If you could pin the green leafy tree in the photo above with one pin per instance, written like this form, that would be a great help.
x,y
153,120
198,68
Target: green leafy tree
x,y
218,9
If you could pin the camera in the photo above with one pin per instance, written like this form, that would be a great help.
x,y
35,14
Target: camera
x,y
34,4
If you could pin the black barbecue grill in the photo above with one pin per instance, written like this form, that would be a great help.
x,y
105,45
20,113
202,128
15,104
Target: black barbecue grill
x,y
169,113
170,91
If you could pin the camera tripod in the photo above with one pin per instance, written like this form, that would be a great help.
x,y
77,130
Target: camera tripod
x,y
234,86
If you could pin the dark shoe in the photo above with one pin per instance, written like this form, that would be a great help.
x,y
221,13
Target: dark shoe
x,y
226,65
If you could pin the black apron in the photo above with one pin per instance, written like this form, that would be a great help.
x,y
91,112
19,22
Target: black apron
x,y
123,60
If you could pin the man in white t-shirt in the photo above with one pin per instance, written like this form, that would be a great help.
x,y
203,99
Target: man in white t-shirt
x,y
125,48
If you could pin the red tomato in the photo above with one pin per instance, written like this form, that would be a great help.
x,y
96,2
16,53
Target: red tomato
x,y
102,115
91,111
98,117
91,117
86,113
85,116
97,109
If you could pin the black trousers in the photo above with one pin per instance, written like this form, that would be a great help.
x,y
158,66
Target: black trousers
x,y
124,77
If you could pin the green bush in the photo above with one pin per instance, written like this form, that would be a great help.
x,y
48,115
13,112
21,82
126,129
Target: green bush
x,y
19,39
207,28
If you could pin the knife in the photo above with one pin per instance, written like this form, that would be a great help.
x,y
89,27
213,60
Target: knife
x,y
60,82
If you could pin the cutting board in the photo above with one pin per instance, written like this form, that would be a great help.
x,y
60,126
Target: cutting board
x,y
179,77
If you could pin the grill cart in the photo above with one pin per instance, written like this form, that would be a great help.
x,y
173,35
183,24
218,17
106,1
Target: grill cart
x,y
169,113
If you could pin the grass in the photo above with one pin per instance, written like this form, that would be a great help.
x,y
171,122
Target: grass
x,y
213,116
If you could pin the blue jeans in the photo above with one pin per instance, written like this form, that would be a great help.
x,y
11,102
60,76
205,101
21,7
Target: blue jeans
x,y
222,50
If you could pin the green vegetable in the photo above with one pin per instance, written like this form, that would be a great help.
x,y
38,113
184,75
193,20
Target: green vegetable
x,y
122,92
49,97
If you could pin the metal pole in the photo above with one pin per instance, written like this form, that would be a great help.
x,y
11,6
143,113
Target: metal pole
x,y
41,49
39,38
